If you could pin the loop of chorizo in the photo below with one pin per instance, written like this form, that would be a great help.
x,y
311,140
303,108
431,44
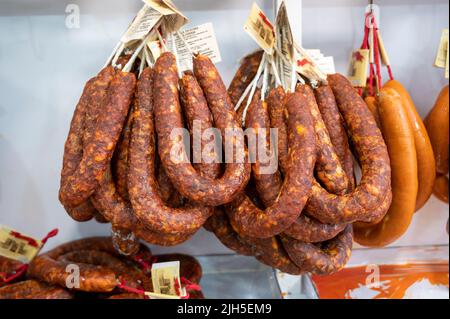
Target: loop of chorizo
x,y
221,227
328,167
125,241
81,184
48,268
250,221
335,126
33,289
133,277
304,228
362,203
93,93
146,201
271,252
121,214
324,258
167,110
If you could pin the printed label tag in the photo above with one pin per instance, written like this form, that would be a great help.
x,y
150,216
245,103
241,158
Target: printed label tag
x,y
307,67
260,29
17,246
285,42
358,67
200,39
173,18
166,278
441,57
142,24
446,63
324,63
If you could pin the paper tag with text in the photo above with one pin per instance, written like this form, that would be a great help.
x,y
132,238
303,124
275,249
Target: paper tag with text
x,y
307,67
173,19
358,67
324,63
17,246
446,63
142,24
285,42
260,29
441,57
166,278
200,39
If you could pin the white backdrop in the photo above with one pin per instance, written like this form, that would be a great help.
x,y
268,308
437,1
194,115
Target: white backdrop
x,y
43,67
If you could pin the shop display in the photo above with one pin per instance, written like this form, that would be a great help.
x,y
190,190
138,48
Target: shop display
x,y
294,166
102,273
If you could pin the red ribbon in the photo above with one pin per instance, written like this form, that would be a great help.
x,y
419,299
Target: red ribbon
x,y
22,269
266,21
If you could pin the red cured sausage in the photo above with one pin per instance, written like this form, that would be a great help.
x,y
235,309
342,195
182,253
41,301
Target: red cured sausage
x,y
244,75
325,258
32,289
78,186
309,230
247,219
93,93
275,102
375,186
168,116
47,268
328,167
198,117
335,126
147,204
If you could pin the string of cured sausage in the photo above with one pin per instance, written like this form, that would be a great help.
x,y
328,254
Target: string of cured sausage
x,y
102,273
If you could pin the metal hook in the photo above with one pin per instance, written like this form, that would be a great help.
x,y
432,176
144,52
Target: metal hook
x,y
371,6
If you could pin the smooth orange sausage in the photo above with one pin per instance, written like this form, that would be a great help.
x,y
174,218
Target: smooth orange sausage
x,y
399,137
438,130
426,164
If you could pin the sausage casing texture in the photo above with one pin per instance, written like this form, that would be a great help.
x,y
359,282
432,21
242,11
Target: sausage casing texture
x,y
336,129
328,168
94,92
32,289
375,186
147,204
276,105
167,110
247,219
97,154
220,225
267,177
324,258
128,272
304,228
244,75
199,120
47,268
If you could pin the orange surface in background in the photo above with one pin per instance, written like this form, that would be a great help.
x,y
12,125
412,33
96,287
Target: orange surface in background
x,y
400,278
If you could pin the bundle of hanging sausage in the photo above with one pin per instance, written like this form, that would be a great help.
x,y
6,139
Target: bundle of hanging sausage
x,y
101,273
298,217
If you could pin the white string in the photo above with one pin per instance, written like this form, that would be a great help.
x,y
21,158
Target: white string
x,y
118,53
147,57
275,72
138,50
175,53
252,92
113,53
293,77
250,86
142,65
265,81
